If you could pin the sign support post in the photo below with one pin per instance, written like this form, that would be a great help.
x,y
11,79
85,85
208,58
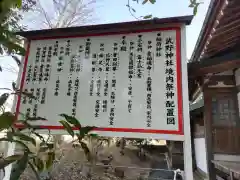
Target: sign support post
x,y
188,169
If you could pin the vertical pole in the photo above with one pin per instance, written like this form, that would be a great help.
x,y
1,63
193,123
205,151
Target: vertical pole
x,y
186,118
12,146
231,175
237,83
208,133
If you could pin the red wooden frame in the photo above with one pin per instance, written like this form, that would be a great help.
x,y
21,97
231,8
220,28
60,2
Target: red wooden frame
x,y
179,82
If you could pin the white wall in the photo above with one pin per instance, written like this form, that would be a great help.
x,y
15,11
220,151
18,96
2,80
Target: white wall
x,y
237,78
200,153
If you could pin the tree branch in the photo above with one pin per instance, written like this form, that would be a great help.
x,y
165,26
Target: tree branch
x,y
44,13
130,9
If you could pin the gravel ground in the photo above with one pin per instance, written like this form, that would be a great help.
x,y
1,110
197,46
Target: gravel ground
x,y
72,166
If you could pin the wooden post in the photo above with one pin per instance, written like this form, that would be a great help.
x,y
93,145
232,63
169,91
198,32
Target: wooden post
x,y
208,133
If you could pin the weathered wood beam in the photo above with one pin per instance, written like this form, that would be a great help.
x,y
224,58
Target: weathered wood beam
x,y
229,16
233,24
222,44
224,32
218,42
213,51
229,59
216,68
232,6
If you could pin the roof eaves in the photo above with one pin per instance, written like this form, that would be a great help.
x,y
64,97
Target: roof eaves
x,y
155,21
210,14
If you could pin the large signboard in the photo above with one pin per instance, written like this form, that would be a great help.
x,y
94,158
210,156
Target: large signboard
x,y
121,82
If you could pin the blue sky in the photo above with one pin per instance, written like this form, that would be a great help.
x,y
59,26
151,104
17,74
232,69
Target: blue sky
x,y
109,11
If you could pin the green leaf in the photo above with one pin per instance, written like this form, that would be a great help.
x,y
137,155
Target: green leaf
x,y
193,1
147,16
152,1
16,141
10,135
3,98
93,135
1,50
39,164
18,3
5,140
9,160
17,60
80,137
85,130
10,41
25,124
19,167
85,147
25,137
51,158
14,157
72,120
191,5
195,10
36,127
67,126
145,1
39,136
34,170
6,120
22,144
11,4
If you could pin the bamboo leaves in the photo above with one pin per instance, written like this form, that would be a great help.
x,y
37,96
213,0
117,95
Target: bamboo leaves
x,y
69,123
72,120
25,137
34,170
9,160
51,158
6,120
3,98
67,127
19,167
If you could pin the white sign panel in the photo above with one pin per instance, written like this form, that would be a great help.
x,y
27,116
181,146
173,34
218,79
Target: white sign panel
x,y
117,82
